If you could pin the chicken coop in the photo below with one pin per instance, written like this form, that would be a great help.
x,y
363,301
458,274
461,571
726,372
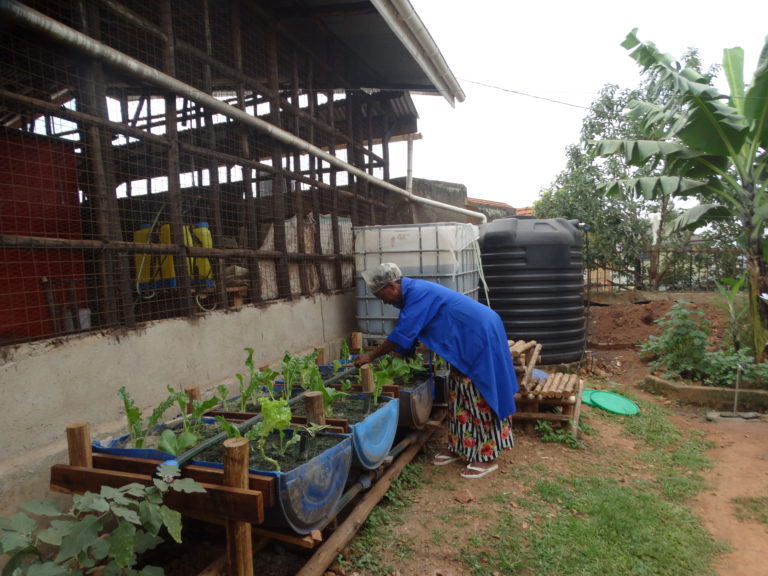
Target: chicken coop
x,y
163,159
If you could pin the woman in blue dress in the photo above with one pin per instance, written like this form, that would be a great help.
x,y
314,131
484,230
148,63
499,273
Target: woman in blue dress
x,y
471,338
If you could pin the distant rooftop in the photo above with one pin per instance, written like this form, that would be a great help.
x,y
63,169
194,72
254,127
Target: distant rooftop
x,y
488,203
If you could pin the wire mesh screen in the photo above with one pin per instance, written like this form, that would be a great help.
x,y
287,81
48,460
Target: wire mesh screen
x,y
140,175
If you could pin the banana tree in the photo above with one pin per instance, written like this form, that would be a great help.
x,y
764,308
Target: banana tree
x,y
711,146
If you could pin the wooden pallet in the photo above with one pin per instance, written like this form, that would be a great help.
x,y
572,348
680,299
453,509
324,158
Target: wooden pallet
x,y
555,399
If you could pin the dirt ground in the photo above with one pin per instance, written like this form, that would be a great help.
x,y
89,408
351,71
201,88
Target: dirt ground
x,y
739,460
448,508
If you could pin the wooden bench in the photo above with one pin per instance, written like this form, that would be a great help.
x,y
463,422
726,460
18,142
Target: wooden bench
x,y
555,399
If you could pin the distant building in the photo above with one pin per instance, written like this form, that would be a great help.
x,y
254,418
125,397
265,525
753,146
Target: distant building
x,y
491,209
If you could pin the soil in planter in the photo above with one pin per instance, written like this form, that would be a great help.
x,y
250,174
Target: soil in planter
x,y
353,408
412,381
295,456
151,441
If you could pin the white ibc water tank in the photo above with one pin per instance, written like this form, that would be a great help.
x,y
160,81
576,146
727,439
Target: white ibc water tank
x,y
446,253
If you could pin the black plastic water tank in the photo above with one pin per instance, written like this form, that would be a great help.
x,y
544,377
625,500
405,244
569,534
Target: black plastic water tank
x,y
533,269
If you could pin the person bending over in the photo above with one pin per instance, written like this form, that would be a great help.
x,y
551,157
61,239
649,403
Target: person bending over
x,y
471,338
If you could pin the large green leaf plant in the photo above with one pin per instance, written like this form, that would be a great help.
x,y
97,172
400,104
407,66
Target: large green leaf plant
x,y
710,146
100,533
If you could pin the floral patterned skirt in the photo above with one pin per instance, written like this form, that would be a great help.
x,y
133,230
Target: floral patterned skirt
x,y
475,432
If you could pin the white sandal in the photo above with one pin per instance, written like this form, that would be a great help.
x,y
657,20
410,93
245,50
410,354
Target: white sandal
x,y
444,458
474,471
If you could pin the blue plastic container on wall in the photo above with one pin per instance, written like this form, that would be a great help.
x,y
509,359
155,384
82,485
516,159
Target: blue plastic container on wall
x,y
534,272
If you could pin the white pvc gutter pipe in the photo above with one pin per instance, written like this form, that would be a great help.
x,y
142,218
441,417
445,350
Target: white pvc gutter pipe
x,y
58,31
408,27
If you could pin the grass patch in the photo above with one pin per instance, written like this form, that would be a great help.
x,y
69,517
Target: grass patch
x,y
603,527
600,513
675,456
381,527
754,509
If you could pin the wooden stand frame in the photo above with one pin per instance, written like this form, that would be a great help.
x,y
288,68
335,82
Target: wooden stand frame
x,y
554,399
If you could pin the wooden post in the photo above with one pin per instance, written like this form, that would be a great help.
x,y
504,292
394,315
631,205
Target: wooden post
x,y
321,356
193,394
239,545
357,343
79,444
313,404
366,378
50,300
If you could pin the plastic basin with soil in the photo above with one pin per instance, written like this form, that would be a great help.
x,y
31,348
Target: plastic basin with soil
x,y
373,428
416,400
309,484
122,445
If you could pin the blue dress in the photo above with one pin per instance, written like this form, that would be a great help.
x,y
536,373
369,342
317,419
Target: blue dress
x,y
465,333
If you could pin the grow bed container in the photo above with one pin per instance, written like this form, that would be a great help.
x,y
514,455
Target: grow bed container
x,y
119,446
307,495
416,400
373,434
328,370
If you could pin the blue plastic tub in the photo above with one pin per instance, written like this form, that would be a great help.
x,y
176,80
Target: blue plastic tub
x,y
308,494
116,446
416,402
373,437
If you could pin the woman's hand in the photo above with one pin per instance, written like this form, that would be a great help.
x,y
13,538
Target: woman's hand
x,y
363,359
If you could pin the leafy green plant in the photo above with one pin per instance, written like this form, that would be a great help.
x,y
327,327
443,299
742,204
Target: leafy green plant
x,y
223,393
345,355
709,144
105,531
231,430
390,369
276,417
305,372
300,370
176,444
730,288
681,348
137,428
191,422
192,409
559,435
682,351
257,380
330,395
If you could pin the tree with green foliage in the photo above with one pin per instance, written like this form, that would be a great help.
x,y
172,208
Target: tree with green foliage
x,y
709,146
625,232
617,231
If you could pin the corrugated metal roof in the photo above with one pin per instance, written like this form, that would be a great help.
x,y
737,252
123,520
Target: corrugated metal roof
x,y
392,44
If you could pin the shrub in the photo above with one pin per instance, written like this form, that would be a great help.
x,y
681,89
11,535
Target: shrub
x,y
682,351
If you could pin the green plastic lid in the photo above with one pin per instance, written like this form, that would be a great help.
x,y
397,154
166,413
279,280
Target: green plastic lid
x,y
613,402
586,396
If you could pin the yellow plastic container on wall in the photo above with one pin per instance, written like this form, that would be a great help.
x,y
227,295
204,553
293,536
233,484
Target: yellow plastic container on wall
x,y
167,271
199,269
145,264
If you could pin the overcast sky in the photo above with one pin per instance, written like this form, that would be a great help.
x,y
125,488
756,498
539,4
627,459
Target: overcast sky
x,y
546,61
